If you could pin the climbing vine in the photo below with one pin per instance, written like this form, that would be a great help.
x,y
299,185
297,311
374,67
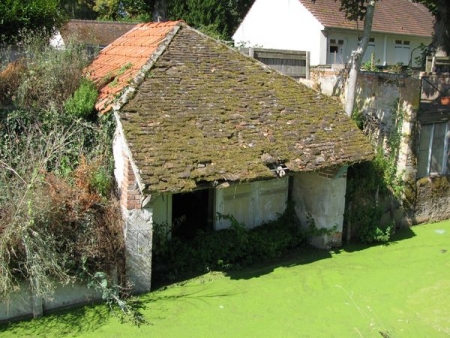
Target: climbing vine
x,y
376,187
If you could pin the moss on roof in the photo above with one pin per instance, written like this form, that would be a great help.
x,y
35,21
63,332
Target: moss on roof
x,y
207,114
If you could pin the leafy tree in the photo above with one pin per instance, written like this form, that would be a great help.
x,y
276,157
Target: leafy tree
x,y
357,10
441,11
217,18
31,15
79,9
129,10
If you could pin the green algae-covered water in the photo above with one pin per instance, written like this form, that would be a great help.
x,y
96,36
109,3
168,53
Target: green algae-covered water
x,y
396,290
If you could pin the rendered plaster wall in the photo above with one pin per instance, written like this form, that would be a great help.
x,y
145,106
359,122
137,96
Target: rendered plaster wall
x,y
380,97
23,305
328,81
322,199
252,203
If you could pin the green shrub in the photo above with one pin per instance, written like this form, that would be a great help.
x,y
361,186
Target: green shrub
x,y
102,181
56,216
82,103
366,219
233,247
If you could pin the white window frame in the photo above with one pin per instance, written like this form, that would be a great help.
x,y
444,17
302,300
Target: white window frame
x,y
404,48
445,156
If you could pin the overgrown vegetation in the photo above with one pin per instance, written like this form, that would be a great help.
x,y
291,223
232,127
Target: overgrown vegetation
x,y
376,187
59,219
233,247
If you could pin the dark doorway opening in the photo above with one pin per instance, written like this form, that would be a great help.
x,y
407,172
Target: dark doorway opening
x,y
192,212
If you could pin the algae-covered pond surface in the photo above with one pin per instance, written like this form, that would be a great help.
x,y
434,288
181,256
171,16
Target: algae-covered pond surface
x,y
396,290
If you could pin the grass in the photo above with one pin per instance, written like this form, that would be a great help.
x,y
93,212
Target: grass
x,y
396,290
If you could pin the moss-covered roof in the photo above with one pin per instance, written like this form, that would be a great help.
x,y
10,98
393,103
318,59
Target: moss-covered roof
x,y
205,114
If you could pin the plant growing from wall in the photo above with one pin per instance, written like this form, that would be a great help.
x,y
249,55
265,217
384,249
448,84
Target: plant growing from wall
x,y
368,180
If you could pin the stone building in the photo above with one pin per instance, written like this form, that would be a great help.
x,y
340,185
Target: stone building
x,y
203,129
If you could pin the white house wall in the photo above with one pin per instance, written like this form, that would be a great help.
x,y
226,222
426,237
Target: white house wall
x,y
281,24
384,47
252,203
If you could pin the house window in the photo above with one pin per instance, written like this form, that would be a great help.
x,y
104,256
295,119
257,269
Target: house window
x,y
433,156
402,51
335,51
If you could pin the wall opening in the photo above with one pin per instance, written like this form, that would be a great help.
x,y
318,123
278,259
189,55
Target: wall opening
x,y
192,212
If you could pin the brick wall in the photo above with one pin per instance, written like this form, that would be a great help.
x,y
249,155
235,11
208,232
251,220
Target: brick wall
x,y
130,197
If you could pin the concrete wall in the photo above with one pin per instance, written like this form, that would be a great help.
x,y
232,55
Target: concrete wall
x,y
137,211
381,98
23,305
321,199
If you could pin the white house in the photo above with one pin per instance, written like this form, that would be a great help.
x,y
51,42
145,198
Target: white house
x,y
399,28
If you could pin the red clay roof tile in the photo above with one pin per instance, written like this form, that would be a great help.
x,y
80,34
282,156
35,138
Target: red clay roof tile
x,y
121,61
391,16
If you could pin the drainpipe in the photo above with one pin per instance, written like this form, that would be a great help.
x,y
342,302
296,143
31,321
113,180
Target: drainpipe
x,y
385,51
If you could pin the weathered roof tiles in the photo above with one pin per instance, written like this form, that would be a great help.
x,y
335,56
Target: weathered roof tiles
x,y
90,32
203,113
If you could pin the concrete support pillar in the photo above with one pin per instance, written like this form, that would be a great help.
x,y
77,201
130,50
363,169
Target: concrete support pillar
x,y
138,229
321,197
138,244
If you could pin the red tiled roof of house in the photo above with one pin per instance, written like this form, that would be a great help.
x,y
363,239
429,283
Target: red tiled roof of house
x,y
121,61
91,32
391,16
